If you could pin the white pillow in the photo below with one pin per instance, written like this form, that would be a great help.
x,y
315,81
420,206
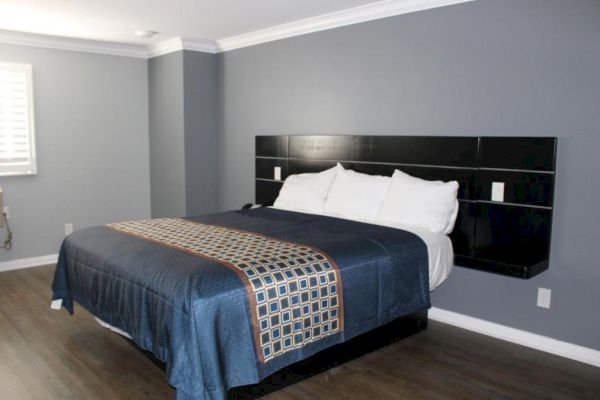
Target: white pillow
x,y
417,202
450,227
356,196
306,192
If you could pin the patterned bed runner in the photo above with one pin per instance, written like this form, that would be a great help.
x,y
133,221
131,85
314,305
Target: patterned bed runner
x,y
294,290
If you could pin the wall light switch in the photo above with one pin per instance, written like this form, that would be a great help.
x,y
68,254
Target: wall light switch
x,y
544,296
68,229
497,191
277,173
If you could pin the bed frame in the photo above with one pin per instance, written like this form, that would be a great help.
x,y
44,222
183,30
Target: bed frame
x,y
324,360
511,237
333,356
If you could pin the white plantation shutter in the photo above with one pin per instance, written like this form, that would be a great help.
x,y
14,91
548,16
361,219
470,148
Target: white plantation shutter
x,y
17,139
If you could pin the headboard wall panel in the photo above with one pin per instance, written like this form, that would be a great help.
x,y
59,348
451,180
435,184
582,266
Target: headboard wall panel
x,y
426,150
272,146
510,237
322,147
537,154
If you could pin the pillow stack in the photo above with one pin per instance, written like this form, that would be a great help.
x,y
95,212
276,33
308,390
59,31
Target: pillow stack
x,y
399,200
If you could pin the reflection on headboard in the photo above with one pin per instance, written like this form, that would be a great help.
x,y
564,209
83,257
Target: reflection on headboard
x,y
510,237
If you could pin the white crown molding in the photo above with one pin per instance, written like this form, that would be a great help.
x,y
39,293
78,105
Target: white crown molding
x,y
369,12
178,43
28,262
202,45
73,44
165,47
116,49
524,338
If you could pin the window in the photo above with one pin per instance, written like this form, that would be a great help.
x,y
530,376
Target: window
x,y
17,139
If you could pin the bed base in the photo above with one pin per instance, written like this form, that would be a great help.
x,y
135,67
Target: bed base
x,y
376,339
334,356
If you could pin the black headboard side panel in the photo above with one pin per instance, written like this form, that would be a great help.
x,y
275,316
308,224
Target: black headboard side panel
x,y
510,237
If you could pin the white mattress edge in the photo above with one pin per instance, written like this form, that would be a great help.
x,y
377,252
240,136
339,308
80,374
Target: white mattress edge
x,y
439,248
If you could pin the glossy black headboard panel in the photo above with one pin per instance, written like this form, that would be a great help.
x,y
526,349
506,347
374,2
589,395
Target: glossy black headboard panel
x,y
510,237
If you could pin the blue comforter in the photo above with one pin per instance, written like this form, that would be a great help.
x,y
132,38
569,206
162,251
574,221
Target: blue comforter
x,y
188,291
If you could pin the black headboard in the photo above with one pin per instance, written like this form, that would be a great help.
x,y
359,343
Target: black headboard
x,y
510,237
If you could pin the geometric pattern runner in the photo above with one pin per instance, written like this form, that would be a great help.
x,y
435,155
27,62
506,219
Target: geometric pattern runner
x,y
294,290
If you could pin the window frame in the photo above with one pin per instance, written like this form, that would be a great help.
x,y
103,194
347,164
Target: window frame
x,y
31,167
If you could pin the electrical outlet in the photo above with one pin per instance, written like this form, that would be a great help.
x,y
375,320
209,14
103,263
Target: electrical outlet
x,y
497,191
6,212
68,229
543,299
277,173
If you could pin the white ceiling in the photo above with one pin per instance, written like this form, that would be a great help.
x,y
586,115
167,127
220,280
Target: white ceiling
x,y
116,20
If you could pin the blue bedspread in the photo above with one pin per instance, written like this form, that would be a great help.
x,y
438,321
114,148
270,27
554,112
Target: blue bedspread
x,y
200,308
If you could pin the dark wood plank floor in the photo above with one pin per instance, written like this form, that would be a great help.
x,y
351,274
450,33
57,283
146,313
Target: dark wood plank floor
x,y
48,355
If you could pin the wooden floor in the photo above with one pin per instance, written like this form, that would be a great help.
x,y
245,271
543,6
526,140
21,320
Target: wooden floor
x,y
48,355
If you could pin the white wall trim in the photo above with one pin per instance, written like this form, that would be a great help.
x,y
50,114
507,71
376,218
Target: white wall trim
x,y
368,12
28,262
165,47
116,49
204,45
524,338
73,44
178,43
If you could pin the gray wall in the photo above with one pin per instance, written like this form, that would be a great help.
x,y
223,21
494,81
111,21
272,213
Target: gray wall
x,y
183,133
200,117
167,132
91,117
482,68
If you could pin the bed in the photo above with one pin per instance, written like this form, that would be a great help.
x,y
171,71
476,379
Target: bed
x,y
220,318
228,299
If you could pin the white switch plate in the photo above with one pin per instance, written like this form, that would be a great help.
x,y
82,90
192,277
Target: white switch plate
x,y
68,229
497,191
277,173
6,212
543,299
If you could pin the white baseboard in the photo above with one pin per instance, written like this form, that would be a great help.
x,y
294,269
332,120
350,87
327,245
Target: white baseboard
x,y
28,262
524,338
